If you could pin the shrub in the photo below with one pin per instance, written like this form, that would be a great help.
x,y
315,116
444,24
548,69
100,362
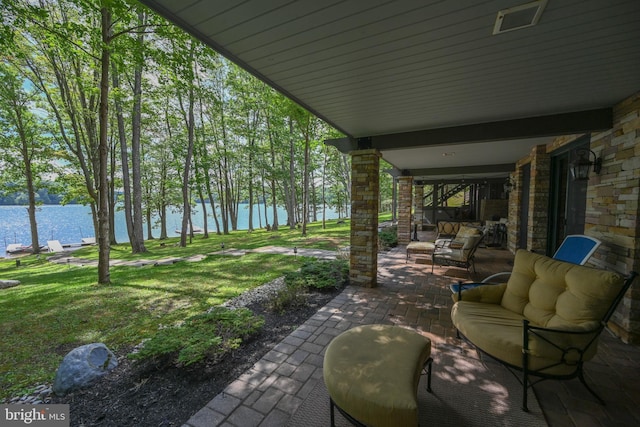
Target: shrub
x,y
388,237
314,274
205,336
318,274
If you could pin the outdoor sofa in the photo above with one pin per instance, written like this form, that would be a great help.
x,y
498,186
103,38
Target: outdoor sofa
x,y
545,321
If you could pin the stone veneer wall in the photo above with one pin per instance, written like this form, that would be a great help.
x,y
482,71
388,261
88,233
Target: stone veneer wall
x,y
405,184
538,200
613,208
365,189
418,202
613,205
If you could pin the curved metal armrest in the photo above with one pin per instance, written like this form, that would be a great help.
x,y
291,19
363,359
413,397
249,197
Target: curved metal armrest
x,y
543,333
502,273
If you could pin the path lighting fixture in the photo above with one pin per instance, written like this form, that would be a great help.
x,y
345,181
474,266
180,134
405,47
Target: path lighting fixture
x,y
580,167
295,251
222,246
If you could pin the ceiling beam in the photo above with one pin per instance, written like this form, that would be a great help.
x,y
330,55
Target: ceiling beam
x,y
464,170
530,127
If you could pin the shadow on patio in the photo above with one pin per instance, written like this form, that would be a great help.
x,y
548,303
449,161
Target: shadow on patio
x,y
286,386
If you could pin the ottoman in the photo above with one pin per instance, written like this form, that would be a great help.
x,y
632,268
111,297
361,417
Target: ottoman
x,y
372,374
420,248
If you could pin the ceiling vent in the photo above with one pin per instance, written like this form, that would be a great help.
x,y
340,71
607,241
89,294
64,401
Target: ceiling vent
x,y
515,18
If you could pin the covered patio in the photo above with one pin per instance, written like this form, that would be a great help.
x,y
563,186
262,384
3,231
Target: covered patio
x,y
501,90
284,388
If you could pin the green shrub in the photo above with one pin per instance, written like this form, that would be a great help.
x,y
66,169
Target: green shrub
x,y
318,274
313,275
205,336
388,237
289,297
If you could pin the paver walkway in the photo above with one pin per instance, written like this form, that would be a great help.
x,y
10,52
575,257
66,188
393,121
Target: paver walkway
x,y
65,258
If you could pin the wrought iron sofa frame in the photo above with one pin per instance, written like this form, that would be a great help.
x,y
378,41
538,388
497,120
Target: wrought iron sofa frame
x,y
528,330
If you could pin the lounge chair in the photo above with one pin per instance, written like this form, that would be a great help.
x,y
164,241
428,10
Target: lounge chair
x,y
460,251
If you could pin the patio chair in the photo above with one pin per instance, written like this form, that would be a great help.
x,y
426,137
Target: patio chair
x,y
575,249
460,251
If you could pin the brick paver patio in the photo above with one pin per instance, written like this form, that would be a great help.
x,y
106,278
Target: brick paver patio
x,y
273,389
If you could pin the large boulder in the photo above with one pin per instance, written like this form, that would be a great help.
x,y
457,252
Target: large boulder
x,y
8,283
83,365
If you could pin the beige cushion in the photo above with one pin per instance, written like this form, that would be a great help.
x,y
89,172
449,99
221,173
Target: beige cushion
x,y
372,373
553,293
547,292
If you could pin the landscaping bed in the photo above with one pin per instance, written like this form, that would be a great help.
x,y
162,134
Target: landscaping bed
x,y
138,394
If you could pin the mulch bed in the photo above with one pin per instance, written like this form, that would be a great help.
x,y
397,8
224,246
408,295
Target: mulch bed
x,y
136,394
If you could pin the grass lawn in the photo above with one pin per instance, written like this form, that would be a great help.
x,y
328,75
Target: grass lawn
x,y
59,307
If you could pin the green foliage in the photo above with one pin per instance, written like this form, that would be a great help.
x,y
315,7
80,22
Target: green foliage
x,y
288,298
206,336
314,274
388,237
318,274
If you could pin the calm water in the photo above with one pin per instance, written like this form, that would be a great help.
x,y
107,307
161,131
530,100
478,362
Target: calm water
x,y
71,223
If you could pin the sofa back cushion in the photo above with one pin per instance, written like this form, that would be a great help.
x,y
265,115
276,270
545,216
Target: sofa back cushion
x,y
557,294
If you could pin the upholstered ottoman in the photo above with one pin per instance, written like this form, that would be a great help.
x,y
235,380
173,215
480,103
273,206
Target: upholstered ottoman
x,y
420,248
372,374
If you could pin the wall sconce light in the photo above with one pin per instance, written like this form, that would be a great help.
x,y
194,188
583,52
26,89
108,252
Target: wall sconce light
x,y
509,185
580,167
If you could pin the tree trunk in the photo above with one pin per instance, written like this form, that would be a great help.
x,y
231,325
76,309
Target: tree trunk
x,y
137,244
124,154
305,183
324,179
103,153
292,189
186,205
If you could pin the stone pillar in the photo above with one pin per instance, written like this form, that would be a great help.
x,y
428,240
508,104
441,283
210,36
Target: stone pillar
x,y
404,209
613,209
365,194
418,196
539,199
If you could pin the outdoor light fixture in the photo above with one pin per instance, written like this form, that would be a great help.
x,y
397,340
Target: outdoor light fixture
x,y
295,251
222,246
509,185
580,167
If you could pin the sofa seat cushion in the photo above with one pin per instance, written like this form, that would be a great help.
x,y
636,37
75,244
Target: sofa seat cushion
x,y
372,373
499,333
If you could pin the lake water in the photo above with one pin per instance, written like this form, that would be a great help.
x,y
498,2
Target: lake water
x,y
71,223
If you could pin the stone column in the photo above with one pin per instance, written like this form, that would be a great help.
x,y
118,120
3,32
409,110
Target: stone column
x,y
405,184
418,196
365,194
539,199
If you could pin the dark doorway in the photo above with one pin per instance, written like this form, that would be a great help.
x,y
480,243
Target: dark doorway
x,y
524,207
568,197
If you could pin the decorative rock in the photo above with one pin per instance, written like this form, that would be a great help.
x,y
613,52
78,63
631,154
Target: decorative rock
x,y
83,365
8,283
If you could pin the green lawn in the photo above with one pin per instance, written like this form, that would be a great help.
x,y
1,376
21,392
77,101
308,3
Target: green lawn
x,y
59,307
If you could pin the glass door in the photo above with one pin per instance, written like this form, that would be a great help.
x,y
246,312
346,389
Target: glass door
x,y
568,201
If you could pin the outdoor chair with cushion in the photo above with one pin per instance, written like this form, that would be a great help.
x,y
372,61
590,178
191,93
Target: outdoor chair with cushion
x,y
459,251
545,321
575,248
